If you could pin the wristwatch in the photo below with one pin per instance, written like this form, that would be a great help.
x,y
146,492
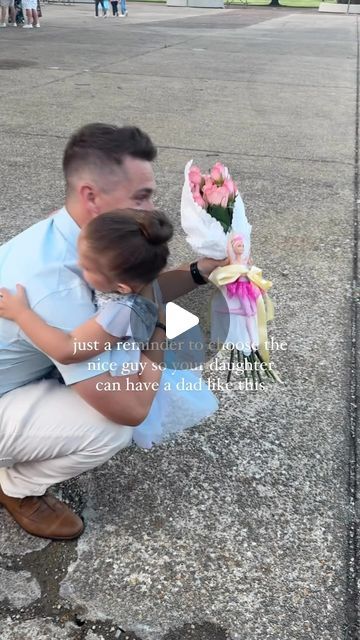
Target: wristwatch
x,y
196,275
160,325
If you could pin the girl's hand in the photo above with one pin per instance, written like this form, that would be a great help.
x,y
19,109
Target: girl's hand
x,y
13,304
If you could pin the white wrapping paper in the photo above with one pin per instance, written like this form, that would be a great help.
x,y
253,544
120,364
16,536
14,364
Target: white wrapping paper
x,y
204,234
207,238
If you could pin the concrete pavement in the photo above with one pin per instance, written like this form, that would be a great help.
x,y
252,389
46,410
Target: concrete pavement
x,y
243,528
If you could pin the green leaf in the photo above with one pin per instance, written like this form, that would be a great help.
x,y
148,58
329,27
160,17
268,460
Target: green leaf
x,y
222,215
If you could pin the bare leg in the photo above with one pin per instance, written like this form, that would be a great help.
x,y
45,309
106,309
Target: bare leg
x,y
3,15
28,16
12,14
35,17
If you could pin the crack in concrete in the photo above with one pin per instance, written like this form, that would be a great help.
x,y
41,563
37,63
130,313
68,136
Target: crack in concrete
x,y
238,81
208,152
48,566
110,630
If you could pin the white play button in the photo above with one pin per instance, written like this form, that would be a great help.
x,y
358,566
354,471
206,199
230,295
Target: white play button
x,y
178,320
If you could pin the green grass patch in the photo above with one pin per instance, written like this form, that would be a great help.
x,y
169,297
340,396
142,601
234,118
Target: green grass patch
x,y
305,4
309,4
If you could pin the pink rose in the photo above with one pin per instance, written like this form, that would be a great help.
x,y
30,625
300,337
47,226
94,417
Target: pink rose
x,y
195,176
216,195
219,172
208,182
230,185
199,199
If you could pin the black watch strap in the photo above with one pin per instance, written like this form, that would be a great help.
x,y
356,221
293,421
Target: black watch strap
x,y
161,325
196,275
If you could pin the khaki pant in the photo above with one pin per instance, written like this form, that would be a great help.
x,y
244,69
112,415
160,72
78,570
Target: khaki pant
x,y
49,434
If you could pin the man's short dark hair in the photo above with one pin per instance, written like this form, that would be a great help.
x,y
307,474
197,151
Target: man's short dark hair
x,y
98,146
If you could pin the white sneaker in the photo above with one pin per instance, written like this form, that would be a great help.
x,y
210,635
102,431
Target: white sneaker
x,y
37,25
2,24
27,26
13,24
125,14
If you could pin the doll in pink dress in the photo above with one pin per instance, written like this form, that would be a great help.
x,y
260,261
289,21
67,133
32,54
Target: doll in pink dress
x,y
241,308
242,294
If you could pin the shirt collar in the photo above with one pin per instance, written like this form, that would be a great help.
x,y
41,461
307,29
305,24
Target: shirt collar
x,y
71,231
67,226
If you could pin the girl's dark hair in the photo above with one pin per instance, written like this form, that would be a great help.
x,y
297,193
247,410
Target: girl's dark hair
x,y
133,243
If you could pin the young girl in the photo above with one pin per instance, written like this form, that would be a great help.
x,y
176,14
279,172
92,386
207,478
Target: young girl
x,y
122,252
32,16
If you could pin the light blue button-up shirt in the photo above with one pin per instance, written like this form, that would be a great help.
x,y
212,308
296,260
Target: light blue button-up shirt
x,y
43,259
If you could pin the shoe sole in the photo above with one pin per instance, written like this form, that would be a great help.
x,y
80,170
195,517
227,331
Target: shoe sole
x,y
74,537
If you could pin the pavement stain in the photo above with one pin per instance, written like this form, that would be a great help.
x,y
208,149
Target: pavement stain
x,y
202,631
10,65
48,567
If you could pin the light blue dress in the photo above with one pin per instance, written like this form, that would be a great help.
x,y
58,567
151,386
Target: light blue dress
x,y
183,399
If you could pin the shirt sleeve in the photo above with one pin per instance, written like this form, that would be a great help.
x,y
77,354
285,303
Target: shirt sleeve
x,y
129,317
66,310
79,371
115,318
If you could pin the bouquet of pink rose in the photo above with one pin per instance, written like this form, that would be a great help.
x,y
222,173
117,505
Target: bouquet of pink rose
x,y
211,207
214,220
215,192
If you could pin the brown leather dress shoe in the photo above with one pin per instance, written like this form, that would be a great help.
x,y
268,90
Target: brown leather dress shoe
x,y
44,516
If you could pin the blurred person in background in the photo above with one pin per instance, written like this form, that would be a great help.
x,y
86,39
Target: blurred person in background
x,y
124,11
115,9
7,6
19,13
32,16
97,2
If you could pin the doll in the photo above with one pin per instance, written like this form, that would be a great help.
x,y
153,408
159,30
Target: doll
x,y
242,294
214,219
241,308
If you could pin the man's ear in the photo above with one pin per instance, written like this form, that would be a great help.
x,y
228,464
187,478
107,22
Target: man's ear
x,y
123,288
89,198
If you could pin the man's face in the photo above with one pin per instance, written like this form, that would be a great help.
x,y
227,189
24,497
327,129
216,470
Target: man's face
x,y
132,186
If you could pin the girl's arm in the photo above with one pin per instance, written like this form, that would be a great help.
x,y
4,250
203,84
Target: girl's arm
x,y
66,348
136,393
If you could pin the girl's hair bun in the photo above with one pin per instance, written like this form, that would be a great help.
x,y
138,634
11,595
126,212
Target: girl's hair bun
x,y
131,245
155,226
